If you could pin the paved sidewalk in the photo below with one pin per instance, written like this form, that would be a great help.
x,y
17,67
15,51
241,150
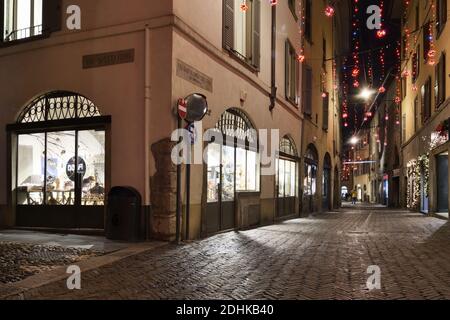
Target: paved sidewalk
x,y
324,257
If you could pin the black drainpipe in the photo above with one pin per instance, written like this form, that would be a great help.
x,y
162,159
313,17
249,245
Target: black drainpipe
x,y
273,88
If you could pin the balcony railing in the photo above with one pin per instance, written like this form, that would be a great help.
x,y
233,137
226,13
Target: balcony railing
x,y
23,33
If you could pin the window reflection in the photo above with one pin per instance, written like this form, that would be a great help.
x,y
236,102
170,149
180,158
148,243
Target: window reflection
x,y
310,180
228,173
51,171
60,172
22,19
30,169
91,150
287,178
241,170
213,172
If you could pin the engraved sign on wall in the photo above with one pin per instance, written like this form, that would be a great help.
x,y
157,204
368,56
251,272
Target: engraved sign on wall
x,y
194,76
108,59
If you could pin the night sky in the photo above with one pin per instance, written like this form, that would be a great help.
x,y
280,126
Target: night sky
x,y
371,68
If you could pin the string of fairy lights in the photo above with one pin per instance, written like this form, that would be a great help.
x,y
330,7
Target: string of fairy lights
x,y
358,69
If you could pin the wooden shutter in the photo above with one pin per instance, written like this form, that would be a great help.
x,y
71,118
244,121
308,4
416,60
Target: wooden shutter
x,y
426,100
442,80
228,24
297,79
287,59
443,13
256,37
326,104
52,16
2,20
307,90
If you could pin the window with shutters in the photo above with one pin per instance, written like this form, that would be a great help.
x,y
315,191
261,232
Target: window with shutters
x,y
404,87
307,90
441,15
241,29
439,86
325,108
25,19
426,100
291,73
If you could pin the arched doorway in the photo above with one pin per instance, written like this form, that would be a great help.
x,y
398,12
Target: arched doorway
x,y
310,178
326,183
59,155
286,178
233,165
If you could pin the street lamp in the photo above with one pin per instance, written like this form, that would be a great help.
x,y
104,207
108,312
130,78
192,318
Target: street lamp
x,y
366,94
354,140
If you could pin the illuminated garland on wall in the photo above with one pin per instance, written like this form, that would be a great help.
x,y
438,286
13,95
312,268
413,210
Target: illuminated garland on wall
x,y
415,168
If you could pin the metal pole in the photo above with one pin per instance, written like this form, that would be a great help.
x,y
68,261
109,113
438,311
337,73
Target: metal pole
x,y
188,199
179,206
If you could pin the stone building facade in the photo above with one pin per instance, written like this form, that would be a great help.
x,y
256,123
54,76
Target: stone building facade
x,y
425,107
321,106
90,109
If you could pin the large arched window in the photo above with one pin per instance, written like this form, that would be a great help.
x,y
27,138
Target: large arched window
x,y
58,105
235,123
287,169
286,178
233,167
59,162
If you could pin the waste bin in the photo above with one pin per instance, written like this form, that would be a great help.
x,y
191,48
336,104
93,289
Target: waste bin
x,y
124,214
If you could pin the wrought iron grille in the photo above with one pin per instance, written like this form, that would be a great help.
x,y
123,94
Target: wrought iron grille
x,y
287,146
58,105
234,123
23,33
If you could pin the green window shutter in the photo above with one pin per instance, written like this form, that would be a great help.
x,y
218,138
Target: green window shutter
x,y
287,59
307,90
442,82
228,24
52,16
256,38
326,105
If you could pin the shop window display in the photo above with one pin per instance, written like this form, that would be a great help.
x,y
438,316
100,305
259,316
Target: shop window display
x,y
49,164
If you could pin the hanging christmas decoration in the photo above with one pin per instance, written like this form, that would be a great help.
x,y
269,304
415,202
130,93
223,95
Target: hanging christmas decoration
x,y
329,11
244,7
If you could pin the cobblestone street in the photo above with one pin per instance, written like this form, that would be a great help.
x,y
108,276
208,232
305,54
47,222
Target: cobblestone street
x,y
19,261
324,257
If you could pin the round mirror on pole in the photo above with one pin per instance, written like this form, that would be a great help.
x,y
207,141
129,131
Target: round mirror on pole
x,y
197,107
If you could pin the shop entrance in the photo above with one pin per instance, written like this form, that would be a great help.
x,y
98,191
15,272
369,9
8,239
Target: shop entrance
x,y
442,182
310,179
58,163
326,183
287,177
233,166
